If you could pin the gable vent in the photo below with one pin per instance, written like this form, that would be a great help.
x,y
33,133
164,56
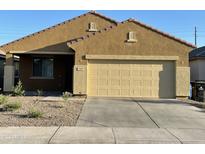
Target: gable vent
x,y
131,37
92,27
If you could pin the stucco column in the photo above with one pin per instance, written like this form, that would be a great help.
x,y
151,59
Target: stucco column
x,y
79,79
9,73
182,82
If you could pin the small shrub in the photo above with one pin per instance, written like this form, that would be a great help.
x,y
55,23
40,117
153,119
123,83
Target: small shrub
x,y
39,92
66,95
12,106
3,99
34,113
36,100
18,89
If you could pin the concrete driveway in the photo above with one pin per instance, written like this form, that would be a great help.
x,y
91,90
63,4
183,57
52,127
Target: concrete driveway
x,y
107,112
145,121
121,121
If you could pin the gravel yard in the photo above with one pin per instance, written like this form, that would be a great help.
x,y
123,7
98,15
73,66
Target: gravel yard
x,y
54,113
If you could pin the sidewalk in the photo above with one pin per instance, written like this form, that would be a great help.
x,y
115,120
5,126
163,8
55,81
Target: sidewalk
x,y
97,135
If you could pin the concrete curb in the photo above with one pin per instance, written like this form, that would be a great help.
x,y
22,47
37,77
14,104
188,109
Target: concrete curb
x,y
26,135
194,103
60,99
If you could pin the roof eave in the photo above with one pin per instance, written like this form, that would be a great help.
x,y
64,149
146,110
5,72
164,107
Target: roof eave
x,y
42,52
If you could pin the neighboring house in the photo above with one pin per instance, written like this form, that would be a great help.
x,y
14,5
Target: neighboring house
x,y
96,56
197,64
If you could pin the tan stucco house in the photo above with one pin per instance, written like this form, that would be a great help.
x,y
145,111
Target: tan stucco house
x,y
96,56
197,64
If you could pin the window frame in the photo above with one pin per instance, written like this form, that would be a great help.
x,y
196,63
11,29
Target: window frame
x,y
41,77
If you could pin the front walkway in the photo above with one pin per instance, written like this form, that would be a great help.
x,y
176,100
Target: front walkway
x,y
73,135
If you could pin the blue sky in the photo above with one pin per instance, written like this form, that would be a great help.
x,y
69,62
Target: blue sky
x,y
16,24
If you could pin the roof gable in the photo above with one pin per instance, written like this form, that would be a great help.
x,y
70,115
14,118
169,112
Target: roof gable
x,y
138,23
162,33
116,40
11,45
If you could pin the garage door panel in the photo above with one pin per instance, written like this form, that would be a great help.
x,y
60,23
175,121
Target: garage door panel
x,y
103,82
94,91
131,78
114,73
125,73
125,83
115,83
102,72
103,92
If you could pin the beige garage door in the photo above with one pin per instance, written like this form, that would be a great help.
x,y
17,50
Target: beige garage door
x,y
131,78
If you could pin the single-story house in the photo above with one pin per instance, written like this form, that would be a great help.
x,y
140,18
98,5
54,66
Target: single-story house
x,y
197,64
94,55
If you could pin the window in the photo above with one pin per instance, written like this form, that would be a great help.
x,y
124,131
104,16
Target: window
x,y
43,67
132,37
92,27
16,65
2,61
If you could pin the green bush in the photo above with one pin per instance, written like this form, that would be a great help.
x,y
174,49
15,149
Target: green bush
x,y
34,113
18,89
66,95
12,106
39,92
3,99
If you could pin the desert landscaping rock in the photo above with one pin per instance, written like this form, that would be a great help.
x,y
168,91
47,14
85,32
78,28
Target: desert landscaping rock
x,y
54,113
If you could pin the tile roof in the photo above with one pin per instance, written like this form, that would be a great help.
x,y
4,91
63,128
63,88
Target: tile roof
x,y
137,22
2,53
197,53
59,24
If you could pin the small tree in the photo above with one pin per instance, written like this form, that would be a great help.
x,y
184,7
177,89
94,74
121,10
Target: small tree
x,y
18,89
34,113
3,99
12,106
